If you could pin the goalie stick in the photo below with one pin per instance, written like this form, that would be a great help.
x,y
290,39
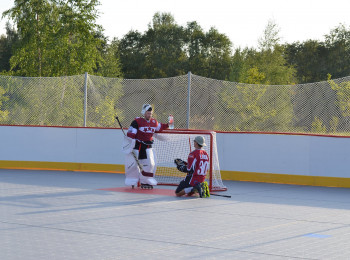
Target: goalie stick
x,y
147,174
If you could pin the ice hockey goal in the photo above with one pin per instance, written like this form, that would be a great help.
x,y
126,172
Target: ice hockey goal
x,y
172,144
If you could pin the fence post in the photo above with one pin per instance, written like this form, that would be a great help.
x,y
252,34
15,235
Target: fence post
x,y
85,98
188,98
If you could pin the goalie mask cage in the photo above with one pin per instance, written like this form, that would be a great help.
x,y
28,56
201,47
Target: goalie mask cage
x,y
172,144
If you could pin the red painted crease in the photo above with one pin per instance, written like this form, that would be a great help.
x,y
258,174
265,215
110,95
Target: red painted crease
x,y
154,191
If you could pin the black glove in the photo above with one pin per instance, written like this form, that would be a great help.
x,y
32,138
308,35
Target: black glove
x,y
181,165
179,162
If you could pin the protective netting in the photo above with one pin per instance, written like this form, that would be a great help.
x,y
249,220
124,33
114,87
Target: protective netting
x,y
172,144
42,101
321,107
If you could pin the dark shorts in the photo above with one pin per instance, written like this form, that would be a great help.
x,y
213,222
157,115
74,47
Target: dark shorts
x,y
141,147
184,184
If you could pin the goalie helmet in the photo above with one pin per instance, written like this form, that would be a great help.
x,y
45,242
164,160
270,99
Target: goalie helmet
x,y
146,107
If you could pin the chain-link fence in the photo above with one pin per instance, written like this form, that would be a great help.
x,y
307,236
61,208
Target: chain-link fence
x,y
196,103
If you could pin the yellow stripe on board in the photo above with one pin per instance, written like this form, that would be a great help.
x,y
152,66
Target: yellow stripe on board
x,y
286,179
225,175
63,166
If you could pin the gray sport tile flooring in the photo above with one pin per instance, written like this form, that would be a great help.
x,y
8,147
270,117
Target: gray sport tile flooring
x,y
64,215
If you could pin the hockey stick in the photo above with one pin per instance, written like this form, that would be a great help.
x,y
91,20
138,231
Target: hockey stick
x,y
147,174
221,195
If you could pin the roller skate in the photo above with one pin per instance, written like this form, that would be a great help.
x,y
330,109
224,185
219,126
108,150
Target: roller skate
x,y
198,189
205,188
146,186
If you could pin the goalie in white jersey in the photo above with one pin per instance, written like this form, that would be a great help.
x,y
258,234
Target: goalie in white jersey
x,y
139,141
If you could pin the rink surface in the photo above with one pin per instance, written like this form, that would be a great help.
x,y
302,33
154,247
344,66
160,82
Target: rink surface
x,y
82,215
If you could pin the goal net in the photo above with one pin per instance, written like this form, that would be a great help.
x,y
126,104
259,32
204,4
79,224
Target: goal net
x,y
172,144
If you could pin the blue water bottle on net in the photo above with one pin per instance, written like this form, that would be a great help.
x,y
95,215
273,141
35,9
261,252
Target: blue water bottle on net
x,y
171,122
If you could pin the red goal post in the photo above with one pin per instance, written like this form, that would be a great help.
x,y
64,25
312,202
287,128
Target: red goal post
x,y
172,144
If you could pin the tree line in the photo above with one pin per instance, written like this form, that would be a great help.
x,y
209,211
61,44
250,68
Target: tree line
x,y
53,38
61,37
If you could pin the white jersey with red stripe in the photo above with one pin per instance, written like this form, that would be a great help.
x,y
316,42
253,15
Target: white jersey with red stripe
x,y
142,130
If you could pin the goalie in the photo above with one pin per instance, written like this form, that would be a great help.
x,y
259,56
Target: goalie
x,y
196,169
139,141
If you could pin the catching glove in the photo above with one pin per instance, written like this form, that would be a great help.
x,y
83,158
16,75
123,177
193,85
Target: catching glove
x,y
181,165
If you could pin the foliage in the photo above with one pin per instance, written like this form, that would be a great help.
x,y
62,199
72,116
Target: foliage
x,y
103,96
343,95
267,66
337,43
317,126
218,55
163,45
56,37
6,44
256,107
132,55
314,59
110,65
167,49
62,38
3,98
309,60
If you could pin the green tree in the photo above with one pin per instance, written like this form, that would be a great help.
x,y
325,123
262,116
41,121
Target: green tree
x,y
31,19
309,59
110,65
314,60
3,98
197,61
163,42
132,55
103,97
56,37
218,52
237,65
257,105
209,53
338,44
7,43
342,90
269,59
167,49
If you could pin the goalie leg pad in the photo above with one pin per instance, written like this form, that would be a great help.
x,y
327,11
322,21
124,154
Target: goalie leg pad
x,y
128,145
132,172
131,181
149,165
150,162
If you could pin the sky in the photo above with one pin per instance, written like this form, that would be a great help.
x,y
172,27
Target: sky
x,y
242,21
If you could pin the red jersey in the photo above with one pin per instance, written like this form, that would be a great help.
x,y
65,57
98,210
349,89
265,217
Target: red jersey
x,y
143,130
198,165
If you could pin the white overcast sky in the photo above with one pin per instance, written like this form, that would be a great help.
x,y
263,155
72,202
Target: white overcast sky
x,y
242,21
